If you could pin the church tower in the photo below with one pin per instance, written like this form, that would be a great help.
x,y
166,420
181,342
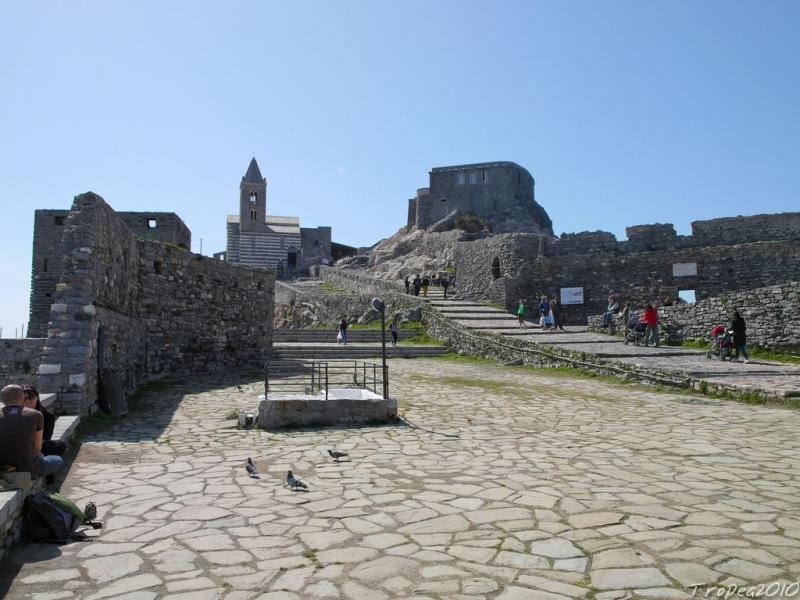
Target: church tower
x,y
253,200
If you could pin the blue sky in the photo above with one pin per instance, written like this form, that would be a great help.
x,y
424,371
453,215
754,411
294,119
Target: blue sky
x,y
624,112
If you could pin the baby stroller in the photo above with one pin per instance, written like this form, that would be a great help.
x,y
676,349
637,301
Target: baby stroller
x,y
634,331
721,343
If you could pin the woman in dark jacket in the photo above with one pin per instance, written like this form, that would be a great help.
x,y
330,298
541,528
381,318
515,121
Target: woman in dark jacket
x,y
739,336
49,446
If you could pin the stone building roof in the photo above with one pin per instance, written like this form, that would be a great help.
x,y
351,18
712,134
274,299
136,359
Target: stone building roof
x,y
486,165
253,174
276,224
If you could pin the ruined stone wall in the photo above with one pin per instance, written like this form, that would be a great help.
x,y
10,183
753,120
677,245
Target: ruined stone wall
x,y
159,226
19,360
485,267
145,309
653,264
772,315
48,228
316,244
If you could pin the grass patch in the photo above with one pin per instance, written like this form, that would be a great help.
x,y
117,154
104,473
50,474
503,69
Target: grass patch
x,y
464,359
232,415
754,351
420,339
327,287
484,384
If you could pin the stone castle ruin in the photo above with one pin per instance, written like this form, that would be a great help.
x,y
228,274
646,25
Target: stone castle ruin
x,y
122,292
482,223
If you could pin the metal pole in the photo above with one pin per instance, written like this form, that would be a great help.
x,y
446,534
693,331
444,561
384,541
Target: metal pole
x,y
383,352
266,379
326,381
312,376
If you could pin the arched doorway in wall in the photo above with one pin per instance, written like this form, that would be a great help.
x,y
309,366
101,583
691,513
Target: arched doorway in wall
x,y
496,268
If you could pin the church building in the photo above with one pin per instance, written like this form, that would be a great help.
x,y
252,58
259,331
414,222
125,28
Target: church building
x,y
257,239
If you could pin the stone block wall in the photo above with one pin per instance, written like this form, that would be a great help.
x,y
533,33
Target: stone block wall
x,y
145,309
653,264
159,226
48,228
19,360
772,315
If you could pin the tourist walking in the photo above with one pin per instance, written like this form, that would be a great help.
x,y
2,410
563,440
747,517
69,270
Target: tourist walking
x,y
425,284
445,284
739,336
545,319
611,310
416,284
408,285
650,319
393,331
521,314
558,313
343,330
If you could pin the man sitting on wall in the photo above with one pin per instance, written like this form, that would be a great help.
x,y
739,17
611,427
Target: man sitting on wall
x,y
21,436
611,311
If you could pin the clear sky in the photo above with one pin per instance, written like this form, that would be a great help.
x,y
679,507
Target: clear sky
x,y
624,112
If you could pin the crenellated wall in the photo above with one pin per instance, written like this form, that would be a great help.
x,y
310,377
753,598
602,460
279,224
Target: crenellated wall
x,y
653,264
145,309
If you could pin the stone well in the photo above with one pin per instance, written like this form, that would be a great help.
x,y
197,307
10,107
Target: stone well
x,y
344,406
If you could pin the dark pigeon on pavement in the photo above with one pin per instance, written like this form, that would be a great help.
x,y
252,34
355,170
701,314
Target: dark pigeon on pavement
x,y
295,484
336,455
251,468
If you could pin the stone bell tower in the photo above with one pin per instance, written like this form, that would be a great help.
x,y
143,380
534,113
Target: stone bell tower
x,y
253,200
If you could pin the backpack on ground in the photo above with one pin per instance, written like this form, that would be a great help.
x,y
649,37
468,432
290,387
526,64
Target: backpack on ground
x,y
50,517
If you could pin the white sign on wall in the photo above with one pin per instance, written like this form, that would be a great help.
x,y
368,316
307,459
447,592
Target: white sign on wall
x,y
684,269
573,295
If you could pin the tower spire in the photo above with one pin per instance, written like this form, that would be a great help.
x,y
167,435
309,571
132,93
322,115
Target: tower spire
x,y
253,174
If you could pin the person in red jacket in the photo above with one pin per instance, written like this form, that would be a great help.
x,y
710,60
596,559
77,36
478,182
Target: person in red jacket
x,y
650,319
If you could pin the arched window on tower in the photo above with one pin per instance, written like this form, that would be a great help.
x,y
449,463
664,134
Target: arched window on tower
x,y
253,197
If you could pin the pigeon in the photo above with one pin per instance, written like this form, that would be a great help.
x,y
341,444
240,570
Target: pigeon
x,y
251,468
295,483
336,455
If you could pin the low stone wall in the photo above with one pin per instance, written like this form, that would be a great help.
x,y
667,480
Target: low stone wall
x,y
301,307
503,349
19,360
772,315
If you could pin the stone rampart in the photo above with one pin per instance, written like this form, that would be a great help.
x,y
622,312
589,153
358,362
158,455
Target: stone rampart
x,y
653,264
145,309
19,360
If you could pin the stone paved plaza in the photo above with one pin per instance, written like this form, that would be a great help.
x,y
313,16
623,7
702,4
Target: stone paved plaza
x,y
506,484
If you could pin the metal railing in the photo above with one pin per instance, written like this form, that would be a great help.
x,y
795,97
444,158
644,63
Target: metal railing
x,y
314,376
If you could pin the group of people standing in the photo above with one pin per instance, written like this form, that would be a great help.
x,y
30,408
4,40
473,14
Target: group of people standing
x,y
551,314
422,284
649,319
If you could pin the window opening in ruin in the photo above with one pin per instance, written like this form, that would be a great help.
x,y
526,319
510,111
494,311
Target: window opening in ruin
x,y
495,268
473,178
291,259
253,197
484,177
157,266
519,177
151,223
687,296
462,178
44,267
60,221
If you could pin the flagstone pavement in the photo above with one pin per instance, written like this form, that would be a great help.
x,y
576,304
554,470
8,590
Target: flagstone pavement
x,y
503,484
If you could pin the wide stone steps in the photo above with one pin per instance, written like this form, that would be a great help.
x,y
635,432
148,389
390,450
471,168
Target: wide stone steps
x,y
351,352
328,335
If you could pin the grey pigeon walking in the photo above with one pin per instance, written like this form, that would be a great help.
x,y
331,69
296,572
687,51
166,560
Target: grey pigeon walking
x,y
336,455
251,468
295,484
